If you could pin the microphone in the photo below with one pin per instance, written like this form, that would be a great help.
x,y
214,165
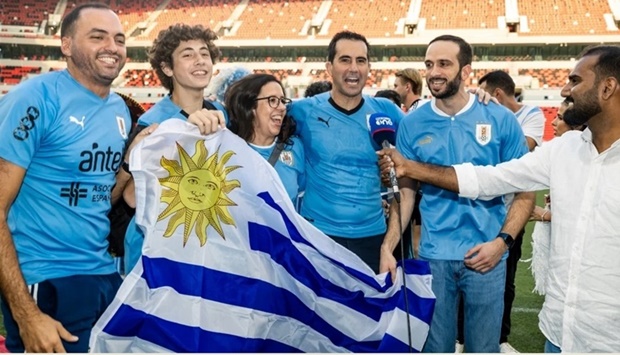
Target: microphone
x,y
383,132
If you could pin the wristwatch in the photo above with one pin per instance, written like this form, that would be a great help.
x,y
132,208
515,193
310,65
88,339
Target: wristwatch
x,y
507,238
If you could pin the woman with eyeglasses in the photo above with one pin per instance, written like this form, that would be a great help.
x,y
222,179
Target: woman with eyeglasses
x,y
256,107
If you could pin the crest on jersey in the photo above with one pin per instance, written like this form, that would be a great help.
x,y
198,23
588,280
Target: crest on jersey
x,y
120,121
483,133
287,157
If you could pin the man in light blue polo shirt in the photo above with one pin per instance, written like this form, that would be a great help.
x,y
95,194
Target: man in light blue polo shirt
x,y
463,240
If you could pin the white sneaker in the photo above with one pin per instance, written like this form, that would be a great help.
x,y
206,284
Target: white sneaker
x,y
459,348
507,348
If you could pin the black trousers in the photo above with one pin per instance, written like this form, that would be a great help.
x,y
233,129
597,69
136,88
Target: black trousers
x,y
514,255
367,248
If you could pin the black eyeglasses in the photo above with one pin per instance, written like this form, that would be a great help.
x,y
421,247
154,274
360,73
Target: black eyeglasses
x,y
274,101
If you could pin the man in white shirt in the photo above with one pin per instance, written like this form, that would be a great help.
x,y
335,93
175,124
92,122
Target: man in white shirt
x,y
581,312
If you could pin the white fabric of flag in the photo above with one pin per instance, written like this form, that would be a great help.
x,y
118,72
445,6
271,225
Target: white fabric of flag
x,y
228,266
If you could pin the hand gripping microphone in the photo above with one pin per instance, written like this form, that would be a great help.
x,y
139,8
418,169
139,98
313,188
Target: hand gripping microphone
x,y
383,132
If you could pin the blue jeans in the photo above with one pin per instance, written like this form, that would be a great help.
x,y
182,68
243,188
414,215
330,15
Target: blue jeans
x,y
551,349
483,296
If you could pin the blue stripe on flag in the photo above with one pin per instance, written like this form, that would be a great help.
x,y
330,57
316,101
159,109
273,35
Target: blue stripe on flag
x,y
244,292
414,268
284,252
179,338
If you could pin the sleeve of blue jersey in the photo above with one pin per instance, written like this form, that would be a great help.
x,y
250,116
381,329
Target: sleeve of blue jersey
x,y
25,118
403,140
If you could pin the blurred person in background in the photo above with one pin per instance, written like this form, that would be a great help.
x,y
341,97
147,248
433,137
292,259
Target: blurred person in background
x,y
318,87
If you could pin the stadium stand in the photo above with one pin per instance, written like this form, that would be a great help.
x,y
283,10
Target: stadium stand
x,y
12,75
374,18
540,65
275,18
141,78
25,12
476,14
565,17
208,13
552,78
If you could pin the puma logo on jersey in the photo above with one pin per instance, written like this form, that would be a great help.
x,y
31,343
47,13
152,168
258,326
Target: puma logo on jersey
x,y
324,121
77,122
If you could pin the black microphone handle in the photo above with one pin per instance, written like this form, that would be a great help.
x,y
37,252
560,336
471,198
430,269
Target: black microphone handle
x,y
393,179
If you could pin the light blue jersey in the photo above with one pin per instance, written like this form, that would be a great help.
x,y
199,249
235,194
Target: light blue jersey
x,y
163,110
289,166
166,109
71,143
343,185
479,134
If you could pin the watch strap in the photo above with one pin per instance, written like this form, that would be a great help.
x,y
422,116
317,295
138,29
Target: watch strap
x,y
507,238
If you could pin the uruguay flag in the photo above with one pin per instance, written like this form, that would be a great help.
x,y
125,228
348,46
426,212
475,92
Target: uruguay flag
x,y
228,266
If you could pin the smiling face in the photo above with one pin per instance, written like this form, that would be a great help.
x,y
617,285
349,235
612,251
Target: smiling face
x,y
268,120
192,66
95,49
444,76
349,68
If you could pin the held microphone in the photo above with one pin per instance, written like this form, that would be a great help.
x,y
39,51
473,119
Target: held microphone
x,y
383,132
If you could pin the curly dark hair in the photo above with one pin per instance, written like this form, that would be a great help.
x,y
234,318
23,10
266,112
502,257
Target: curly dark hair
x,y
240,101
169,39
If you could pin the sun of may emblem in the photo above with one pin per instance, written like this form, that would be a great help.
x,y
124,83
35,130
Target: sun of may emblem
x,y
197,191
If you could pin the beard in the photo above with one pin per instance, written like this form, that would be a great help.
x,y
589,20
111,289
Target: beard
x,y
583,111
88,67
452,88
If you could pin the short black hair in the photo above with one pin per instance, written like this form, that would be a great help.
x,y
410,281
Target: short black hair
x,y
345,35
466,53
608,61
498,79
391,95
67,28
318,87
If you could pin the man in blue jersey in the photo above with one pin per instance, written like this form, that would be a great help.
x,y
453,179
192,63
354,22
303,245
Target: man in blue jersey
x,y
463,240
343,189
63,140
